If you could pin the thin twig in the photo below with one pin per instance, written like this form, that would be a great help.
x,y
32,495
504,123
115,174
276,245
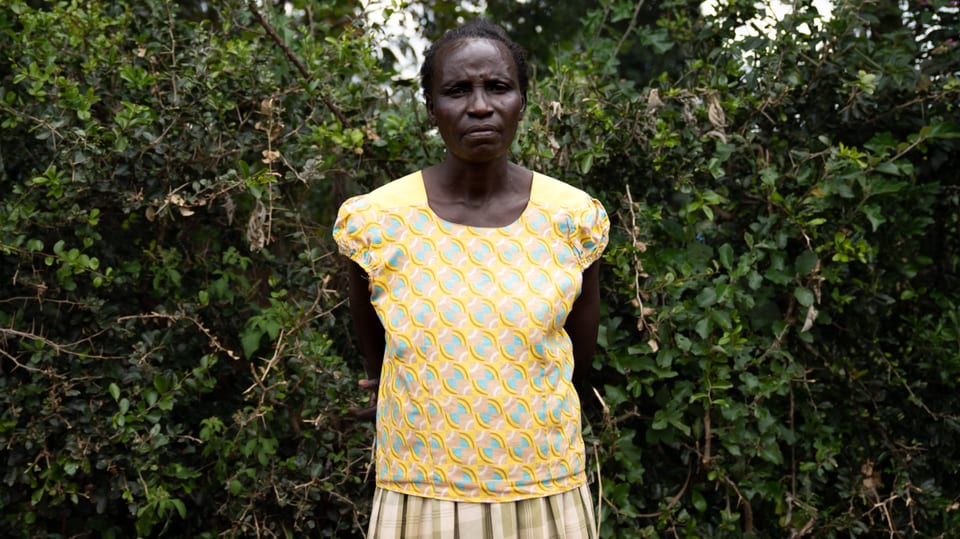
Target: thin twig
x,y
633,24
307,78
674,500
599,514
214,341
295,60
259,380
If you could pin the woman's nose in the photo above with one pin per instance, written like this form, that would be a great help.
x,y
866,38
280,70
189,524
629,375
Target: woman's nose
x,y
479,103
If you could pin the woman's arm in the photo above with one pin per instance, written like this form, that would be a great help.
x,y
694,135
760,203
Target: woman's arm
x,y
584,320
370,335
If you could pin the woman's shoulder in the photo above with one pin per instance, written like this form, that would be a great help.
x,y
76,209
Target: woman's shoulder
x,y
404,191
550,190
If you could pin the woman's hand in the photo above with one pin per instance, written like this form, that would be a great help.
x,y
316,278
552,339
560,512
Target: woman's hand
x,y
368,413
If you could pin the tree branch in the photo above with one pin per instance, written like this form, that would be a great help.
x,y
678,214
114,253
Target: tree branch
x,y
295,60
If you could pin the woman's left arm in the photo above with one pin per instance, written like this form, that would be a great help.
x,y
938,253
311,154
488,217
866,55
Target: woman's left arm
x,y
584,320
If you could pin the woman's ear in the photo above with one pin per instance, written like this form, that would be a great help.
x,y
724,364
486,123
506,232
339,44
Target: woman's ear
x,y
523,106
430,115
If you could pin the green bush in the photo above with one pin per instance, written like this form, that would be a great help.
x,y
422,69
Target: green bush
x,y
780,348
169,290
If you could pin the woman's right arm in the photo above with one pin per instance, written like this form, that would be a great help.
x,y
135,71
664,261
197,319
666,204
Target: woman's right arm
x,y
371,337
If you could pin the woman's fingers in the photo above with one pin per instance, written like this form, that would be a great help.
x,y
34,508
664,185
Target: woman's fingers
x,y
366,413
363,414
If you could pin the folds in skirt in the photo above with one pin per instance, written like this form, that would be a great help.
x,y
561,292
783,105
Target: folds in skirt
x,y
568,515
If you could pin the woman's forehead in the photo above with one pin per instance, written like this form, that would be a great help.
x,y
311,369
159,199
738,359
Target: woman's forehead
x,y
460,55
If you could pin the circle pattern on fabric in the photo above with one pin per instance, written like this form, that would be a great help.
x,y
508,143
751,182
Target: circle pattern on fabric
x,y
476,401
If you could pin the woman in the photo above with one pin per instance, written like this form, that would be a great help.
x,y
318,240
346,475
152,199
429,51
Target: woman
x,y
474,294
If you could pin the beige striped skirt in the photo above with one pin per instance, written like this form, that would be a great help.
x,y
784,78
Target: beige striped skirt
x,y
568,515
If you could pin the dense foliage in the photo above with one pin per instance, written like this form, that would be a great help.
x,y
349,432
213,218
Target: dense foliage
x,y
780,350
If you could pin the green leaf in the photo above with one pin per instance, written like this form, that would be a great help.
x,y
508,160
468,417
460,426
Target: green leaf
x,y
887,167
703,327
698,501
658,39
754,280
586,164
715,167
881,186
250,340
725,252
272,328
615,395
236,487
804,296
806,262
769,176
873,215
770,451
114,391
941,130
181,508
707,297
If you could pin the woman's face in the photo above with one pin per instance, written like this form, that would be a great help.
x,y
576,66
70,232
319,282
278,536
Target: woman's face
x,y
476,102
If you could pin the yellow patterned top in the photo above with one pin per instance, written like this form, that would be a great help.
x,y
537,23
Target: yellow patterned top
x,y
476,401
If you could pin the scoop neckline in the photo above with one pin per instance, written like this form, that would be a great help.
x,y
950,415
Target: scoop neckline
x,y
534,183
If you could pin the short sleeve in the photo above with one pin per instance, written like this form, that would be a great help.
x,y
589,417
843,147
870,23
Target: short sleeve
x,y
592,232
357,234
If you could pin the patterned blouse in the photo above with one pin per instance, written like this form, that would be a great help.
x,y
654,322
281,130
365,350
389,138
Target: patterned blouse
x,y
475,402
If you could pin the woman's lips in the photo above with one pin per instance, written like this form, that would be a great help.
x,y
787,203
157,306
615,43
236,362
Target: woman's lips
x,y
481,129
483,132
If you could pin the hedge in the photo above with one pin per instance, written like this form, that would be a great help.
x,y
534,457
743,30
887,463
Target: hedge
x,y
780,346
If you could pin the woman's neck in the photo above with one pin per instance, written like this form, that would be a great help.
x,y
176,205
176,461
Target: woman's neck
x,y
478,195
473,184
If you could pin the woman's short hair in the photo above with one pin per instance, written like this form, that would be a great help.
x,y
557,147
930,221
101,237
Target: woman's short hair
x,y
477,28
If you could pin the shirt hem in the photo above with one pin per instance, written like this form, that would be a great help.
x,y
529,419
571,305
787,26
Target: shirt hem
x,y
573,485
